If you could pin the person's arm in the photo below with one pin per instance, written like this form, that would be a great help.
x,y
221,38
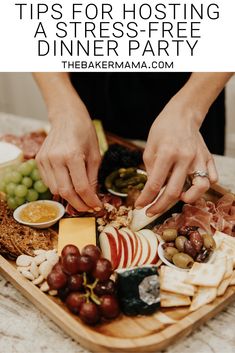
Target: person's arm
x,y
69,158
175,146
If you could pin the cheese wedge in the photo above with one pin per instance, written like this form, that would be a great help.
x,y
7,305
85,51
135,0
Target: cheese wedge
x,y
76,231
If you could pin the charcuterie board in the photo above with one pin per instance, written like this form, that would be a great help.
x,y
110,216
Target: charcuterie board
x,y
125,334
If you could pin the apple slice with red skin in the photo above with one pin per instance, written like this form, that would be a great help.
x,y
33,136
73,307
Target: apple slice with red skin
x,y
138,254
153,243
127,248
134,241
145,250
111,246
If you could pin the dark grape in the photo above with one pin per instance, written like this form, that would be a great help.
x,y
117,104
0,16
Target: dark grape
x,y
74,301
89,313
109,307
75,282
70,249
85,264
102,270
92,251
70,264
56,280
107,287
57,267
63,293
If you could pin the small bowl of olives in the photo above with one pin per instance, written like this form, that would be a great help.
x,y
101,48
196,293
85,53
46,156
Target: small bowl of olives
x,y
182,247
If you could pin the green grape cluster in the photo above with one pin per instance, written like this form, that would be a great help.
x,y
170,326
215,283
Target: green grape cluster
x,y
24,183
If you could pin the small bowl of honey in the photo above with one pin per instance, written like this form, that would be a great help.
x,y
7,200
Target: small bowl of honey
x,y
39,214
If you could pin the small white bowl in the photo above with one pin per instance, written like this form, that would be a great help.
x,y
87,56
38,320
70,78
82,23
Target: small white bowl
x,y
116,193
42,225
168,263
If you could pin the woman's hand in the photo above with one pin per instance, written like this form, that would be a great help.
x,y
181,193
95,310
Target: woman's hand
x,y
175,149
69,158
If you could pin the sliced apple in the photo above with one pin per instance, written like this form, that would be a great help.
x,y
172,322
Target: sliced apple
x,y
153,243
111,246
138,254
145,250
127,248
134,241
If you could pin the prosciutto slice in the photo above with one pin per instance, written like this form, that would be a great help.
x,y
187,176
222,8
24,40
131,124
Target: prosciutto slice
x,y
205,215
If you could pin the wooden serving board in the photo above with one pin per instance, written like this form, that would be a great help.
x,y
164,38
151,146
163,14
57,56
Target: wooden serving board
x,y
125,334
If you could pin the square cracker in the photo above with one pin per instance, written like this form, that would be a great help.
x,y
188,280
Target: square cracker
x,y
207,275
172,280
203,296
172,299
232,280
223,286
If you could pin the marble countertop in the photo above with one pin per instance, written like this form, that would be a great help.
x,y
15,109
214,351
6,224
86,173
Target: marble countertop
x,y
23,328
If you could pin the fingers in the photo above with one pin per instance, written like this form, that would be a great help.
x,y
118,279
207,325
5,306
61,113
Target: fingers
x,y
156,179
93,164
213,175
199,184
78,174
172,191
66,189
46,173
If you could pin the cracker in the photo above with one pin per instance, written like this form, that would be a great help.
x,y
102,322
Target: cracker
x,y
172,299
172,280
223,286
203,296
207,275
232,280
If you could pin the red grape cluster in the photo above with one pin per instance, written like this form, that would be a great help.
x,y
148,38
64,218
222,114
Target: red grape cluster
x,y
83,283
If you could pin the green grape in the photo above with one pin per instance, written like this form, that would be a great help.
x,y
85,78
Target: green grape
x,y
39,186
45,195
32,163
32,195
2,185
27,181
11,202
21,190
25,168
16,177
35,175
7,177
10,189
19,200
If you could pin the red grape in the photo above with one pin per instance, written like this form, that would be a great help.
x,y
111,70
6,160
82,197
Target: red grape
x,y
70,264
57,267
70,249
89,313
74,301
56,280
109,307
85,264
75,282
92,251
63,293
102,270
107,287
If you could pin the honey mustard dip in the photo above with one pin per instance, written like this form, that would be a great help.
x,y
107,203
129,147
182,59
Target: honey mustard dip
x,y
39,213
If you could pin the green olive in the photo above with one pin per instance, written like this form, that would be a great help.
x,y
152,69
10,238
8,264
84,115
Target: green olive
x,y
209,241
179,242
182,260
169,234
169,252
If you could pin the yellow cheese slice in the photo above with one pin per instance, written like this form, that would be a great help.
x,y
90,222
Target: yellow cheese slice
x,y
76,231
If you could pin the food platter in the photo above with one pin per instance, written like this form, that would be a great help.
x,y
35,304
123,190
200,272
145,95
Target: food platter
x,y
124,334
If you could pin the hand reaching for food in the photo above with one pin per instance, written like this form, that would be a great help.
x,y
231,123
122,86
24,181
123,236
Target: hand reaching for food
x,y
69,157
174,150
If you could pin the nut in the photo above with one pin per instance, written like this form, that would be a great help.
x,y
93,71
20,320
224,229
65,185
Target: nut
x,y
22,268
39,252
34,269
28,275
52,257
40,258
53,292
23,260
44,287
45,268
38,280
